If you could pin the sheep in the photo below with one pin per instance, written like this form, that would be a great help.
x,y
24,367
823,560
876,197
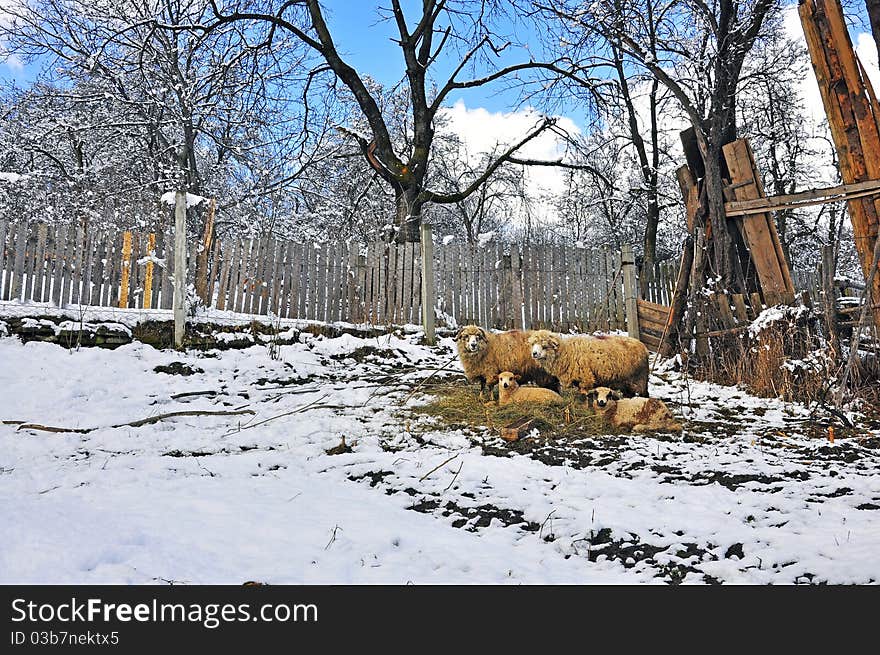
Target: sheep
x,y
484,355
633,414
586,361
510,392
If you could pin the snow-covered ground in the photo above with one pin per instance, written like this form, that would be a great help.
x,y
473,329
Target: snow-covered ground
x,y
745,495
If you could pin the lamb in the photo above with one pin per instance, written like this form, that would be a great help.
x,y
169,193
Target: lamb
x,y
633,414
510,392
484,355
586,361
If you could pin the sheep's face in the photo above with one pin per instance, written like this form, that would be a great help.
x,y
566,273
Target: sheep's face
x,y
507,380
602,396
544,345
472,339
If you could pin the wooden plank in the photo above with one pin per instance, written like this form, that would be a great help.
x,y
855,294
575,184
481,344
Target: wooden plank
x,y
329,268
652,342
150,250
276,279
286,272
245,275
89,255
77,277
268,273
126,269
69,255
18,268
518,429
258,298
354,312
807,198
215,264
756,305
722,302
292,291
42,282
8,261
58,264
30,263
757,229
739,307
166,293
225,267
243,279
99,246
234,281
301,273
311,257
653,313
116,270
3,231
38,272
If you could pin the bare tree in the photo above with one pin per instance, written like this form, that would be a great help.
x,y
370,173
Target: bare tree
x,y
423,41
696,50
214,117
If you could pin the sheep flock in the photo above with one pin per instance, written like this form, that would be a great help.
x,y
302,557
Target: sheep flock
x,y
610,371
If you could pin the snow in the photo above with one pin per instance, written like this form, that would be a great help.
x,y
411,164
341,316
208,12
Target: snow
x,y
224,499
485,237
449,238
12,178
192,200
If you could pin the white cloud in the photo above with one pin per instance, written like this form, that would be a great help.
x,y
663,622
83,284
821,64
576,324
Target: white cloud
x,y
482,130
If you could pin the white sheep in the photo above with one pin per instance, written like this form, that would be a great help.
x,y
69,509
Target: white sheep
x,y
510,392
633,414
484,355
589,361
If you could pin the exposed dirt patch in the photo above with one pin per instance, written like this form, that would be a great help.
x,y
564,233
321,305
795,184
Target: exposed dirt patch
x,y
178,368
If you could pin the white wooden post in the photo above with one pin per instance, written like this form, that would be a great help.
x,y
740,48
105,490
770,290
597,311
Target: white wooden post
x,y
179,302
429,292
630,290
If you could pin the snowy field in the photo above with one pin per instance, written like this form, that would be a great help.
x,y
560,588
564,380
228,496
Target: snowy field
x,y
750,493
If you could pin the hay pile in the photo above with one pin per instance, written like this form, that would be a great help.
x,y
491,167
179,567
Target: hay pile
x,y
460,407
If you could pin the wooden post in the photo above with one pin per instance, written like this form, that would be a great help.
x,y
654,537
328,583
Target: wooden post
x,y
630,290
148,274
202,261
179,301
429,291
829,298
851,106
678,302
126,269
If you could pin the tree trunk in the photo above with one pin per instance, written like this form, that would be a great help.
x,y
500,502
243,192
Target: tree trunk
x,y
649,253
408,218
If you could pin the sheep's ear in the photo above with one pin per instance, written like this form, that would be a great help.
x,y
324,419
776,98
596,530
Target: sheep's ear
x,y
483,333
458,334
617,395
517,376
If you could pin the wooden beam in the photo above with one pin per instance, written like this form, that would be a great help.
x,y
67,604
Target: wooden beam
x,y
808,198
758,230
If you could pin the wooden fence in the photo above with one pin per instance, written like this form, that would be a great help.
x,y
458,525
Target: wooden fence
x,y
536,286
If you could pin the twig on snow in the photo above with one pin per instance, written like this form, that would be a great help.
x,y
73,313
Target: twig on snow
x,y
134,424
438,467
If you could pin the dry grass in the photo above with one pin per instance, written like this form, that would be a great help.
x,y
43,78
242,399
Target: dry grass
x,y
460,407
787,359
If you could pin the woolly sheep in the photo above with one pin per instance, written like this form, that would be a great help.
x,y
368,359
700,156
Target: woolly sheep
x,y
484,355
510,392
586,361
634,414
